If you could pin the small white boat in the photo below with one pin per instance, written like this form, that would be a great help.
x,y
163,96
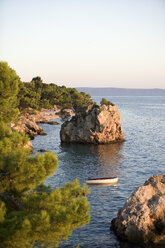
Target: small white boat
x,y
107,180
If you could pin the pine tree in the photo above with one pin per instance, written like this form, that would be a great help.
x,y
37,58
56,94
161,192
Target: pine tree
x,y
32,214
8,90
104,101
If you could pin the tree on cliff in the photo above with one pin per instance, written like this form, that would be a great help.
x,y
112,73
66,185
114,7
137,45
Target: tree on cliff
x,y
104,101
32,214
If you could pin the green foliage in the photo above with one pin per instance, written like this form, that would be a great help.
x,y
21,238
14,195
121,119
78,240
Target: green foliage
x,y
46,218
28,96
8,90
37,95
2,211
104,101
31,213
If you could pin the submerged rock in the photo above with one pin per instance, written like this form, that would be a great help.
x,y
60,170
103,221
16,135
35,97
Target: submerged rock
x,y
49,122
142,219
41,150
100,125
42,133
53,123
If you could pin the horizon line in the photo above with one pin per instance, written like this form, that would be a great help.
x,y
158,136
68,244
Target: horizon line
x,y
119,88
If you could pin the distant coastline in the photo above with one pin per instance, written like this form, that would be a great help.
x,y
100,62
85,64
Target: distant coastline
x,y
108,91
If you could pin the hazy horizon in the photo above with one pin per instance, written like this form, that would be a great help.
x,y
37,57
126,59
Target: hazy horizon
x,y
101,43
120,88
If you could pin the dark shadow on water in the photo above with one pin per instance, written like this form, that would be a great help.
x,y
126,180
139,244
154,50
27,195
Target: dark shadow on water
x,y
98,160
132,245
109,156
104,153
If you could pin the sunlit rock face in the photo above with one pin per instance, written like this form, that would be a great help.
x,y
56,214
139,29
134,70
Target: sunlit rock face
x,y
142,219
29,146
100,125
27,124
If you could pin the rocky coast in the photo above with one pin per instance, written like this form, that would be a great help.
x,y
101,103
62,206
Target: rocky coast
x,y
142,219
28,123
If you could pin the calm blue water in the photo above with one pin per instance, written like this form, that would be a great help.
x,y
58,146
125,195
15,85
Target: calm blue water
x,y
134,161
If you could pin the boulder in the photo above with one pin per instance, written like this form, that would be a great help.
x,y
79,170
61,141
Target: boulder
x,y
142,219
29,146
42,133
100,125
27,123
32,128
53,123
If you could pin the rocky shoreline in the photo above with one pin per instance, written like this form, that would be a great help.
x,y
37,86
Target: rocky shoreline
x,y
49,114
28,123
29,120
57,113
142,219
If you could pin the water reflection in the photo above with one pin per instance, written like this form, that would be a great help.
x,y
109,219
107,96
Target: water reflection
x,y
107,153
98,186
132,245
109,156
84,161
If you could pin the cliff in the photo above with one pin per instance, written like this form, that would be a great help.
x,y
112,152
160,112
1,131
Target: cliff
x,y
100,125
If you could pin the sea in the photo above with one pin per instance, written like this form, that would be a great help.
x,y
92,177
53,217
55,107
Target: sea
x,y
133,161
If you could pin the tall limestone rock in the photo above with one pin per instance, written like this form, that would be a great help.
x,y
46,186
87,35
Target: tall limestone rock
x,y
100,125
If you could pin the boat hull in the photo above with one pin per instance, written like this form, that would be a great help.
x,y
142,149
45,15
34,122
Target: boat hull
x,y
110,180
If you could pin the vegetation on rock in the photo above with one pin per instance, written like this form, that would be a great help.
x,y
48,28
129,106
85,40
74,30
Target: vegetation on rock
x,y
104,101
32,214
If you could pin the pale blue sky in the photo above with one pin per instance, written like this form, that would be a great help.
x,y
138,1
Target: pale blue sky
x,y
96,43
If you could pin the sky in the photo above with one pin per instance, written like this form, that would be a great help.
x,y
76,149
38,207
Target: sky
x,y
87,43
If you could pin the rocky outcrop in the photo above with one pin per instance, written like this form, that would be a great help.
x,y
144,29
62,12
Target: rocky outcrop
x,y
24,125
28,124
100,125
142,220
36,117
